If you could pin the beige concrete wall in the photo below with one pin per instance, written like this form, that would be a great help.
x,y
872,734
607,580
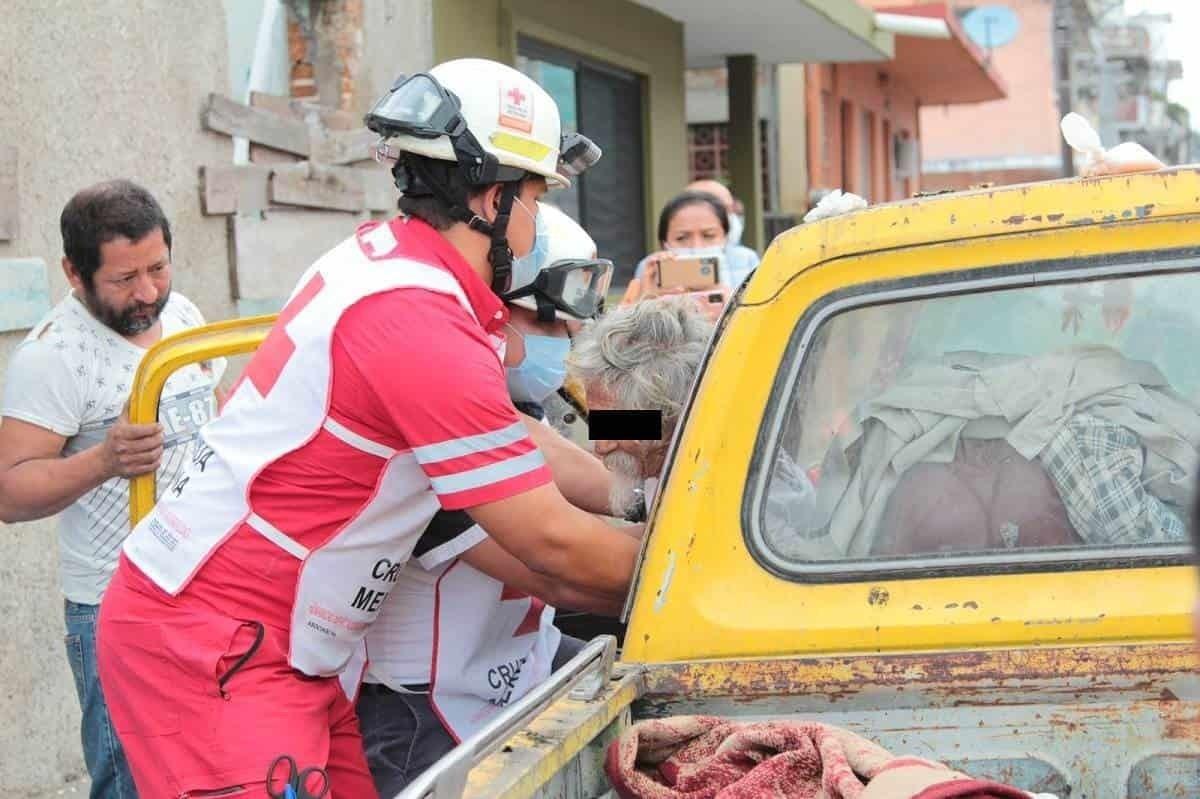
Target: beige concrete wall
x,y
99,90
397,37
619,32
793,140
91,91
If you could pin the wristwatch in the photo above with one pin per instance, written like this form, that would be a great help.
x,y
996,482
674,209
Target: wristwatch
x,y
637,513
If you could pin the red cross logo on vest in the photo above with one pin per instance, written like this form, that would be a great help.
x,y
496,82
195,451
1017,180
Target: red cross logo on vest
x,y
533,617
267,364
516,108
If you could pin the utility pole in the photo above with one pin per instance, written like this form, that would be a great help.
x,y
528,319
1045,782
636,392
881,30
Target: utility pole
x,y
1063,27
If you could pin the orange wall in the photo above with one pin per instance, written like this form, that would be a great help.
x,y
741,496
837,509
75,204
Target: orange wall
x,y
1023,124
832,91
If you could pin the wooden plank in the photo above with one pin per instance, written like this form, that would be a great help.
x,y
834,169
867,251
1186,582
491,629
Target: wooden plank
x,y
270,251
256,124
276,104
335,136
8,193
336,119
24,292
316,186
345,146
265,156
251,188
332,118
230,188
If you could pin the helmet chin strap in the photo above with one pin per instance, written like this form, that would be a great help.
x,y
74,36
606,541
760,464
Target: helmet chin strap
x,y
545,308
499,253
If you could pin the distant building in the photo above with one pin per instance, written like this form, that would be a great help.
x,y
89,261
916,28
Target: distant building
x,y
854,125
1012,140
1133,85
1086,56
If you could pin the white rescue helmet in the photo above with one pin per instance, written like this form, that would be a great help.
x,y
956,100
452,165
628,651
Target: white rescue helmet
x,y
511,117
488,123
562,277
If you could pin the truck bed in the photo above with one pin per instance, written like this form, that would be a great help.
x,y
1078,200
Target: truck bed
x,y
1099,722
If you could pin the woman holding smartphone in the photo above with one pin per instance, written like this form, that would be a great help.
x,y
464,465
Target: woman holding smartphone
x,y
692,225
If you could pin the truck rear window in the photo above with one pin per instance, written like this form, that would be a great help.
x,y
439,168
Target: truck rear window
x,y
1053,422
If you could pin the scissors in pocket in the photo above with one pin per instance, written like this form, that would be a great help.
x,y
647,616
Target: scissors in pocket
x,y
286,781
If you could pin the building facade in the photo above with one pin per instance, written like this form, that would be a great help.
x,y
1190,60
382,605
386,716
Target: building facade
x,y
139,80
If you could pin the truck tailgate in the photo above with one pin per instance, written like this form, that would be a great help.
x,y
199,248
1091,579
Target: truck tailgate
x,y
1101,722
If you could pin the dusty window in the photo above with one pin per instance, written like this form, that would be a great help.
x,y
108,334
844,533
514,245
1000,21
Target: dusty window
x,y
1027,420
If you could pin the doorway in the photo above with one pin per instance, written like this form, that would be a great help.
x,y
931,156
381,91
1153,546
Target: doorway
x,y
604,103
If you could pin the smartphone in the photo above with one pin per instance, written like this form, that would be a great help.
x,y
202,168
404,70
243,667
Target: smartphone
x,y
689,274
710,297
712,303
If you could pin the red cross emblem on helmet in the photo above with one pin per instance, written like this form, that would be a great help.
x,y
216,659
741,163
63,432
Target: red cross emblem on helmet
x,y
516,108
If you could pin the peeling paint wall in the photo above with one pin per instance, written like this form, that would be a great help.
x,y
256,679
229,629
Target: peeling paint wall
x,y
108,89
92,91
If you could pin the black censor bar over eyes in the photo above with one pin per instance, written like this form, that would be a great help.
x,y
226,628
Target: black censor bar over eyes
x,y
624,425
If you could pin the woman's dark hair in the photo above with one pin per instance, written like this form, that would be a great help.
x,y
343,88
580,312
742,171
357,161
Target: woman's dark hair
x,y
103,212
685,200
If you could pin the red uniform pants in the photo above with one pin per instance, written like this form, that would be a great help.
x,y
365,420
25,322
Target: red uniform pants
x,y
203,703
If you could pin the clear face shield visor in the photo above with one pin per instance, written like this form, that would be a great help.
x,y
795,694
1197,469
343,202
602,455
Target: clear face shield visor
x,y
417,105
575,287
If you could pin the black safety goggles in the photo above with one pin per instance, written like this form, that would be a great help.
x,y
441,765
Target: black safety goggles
x,y
575,287
417,105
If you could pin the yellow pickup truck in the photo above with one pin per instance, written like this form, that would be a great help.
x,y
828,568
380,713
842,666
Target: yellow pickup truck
x,y
933,486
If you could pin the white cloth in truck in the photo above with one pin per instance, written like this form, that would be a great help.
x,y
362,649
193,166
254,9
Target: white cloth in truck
x,y
1026,401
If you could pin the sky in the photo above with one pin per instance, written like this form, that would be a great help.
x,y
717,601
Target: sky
x,y
1181,45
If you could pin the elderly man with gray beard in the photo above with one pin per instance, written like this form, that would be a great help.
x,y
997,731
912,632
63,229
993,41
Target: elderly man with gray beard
x,y
645,357
640,357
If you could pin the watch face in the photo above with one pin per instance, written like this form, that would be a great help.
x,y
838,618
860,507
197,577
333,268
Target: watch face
x,y
638,512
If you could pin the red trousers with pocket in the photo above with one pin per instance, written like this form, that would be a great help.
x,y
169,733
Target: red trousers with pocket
x,y
203,703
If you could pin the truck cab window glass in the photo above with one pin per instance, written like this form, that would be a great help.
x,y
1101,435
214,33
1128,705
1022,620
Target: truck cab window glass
x,y
991,424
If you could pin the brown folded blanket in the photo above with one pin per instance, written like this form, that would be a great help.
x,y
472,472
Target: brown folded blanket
x,y
705,757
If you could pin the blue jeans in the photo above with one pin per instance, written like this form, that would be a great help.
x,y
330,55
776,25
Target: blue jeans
x,y
101,750
402,734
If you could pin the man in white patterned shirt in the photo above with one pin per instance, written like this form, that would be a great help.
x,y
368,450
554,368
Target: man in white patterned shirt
x,y
66,445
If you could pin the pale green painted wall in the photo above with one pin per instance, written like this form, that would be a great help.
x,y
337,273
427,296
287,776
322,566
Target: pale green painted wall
x,y
615,31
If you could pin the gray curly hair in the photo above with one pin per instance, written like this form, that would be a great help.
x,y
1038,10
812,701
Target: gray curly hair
x,y
645,355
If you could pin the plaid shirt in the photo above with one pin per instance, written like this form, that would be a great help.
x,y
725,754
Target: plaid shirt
x,y
1097,468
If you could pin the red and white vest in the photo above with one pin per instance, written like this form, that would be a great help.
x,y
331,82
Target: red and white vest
x,y
342,584
491,645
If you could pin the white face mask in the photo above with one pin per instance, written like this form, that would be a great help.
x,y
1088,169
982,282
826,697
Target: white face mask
x,y
737,226
717,251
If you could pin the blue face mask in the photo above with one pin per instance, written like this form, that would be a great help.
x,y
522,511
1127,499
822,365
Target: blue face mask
x,y
525,268
543,370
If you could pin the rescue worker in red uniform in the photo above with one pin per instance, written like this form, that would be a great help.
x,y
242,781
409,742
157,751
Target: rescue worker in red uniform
x,y
470,629
378,398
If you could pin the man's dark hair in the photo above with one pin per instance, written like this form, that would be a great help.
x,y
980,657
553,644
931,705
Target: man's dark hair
x,y
417,202
686,200
103,212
